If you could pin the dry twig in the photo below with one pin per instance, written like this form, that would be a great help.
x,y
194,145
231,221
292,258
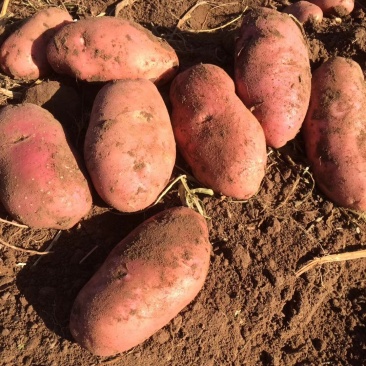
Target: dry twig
x,y
331,258
4,8
29,251
211,30
53,242
13,223
188,15
122,5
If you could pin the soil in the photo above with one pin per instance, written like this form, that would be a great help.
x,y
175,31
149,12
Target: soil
x,y
253,309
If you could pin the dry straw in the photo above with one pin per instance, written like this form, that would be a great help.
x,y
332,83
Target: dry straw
x,y
330,259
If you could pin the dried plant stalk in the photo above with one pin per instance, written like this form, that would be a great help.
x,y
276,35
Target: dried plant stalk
x,y
29,251
4,8
331,258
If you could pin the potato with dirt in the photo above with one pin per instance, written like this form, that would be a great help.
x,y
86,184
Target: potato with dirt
x,y
335,132
305,11
129,145
335,7
272,73
41,184
23,54
109,48
147,279
217,135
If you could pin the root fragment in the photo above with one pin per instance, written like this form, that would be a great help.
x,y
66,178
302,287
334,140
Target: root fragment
x,y
331,258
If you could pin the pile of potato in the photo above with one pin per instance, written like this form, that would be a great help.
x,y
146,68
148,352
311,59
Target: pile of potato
x,y
221,127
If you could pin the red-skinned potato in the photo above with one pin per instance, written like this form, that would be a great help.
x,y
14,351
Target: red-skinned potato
x,y
217,135
23,54
337,7
335,132
109,48
41,184
147,279
305,11
129,145
272,73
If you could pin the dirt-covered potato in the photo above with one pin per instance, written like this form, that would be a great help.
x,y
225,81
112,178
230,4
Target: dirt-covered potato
x,y
129,146
41,183
146,280
217,135
335,132
272,73
23,54
336,7
305,11
109,48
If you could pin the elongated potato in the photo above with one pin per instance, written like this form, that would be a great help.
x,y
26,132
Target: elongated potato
x,y
219,138
23,54
272,73
146,280
129,145
108,48
335,132
41,184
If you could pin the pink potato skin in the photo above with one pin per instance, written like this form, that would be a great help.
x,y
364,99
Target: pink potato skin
x,y
305,11
337,7
147,279
23,54
129,145
108,48
217,135
335,132
41,184
272,73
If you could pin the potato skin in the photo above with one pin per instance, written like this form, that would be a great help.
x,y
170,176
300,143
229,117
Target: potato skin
x,y
147,279
218,137
129,145
305,11
23,54
41,184
108,48
272,73
335,132
336,7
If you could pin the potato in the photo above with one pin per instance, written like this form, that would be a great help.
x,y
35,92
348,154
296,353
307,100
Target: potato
x,y
149,277
335,132
23,54
41,184
337,7
108,48
305,11
272,73
129,145
217,135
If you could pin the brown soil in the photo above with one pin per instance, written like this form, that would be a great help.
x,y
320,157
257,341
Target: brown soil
x,y
253,310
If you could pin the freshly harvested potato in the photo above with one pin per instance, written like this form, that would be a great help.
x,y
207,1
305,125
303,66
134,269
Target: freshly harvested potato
x,y
41,184
337,7
23,54
272,73
305,11
109,48
129,145
217,135
335,132
147,279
